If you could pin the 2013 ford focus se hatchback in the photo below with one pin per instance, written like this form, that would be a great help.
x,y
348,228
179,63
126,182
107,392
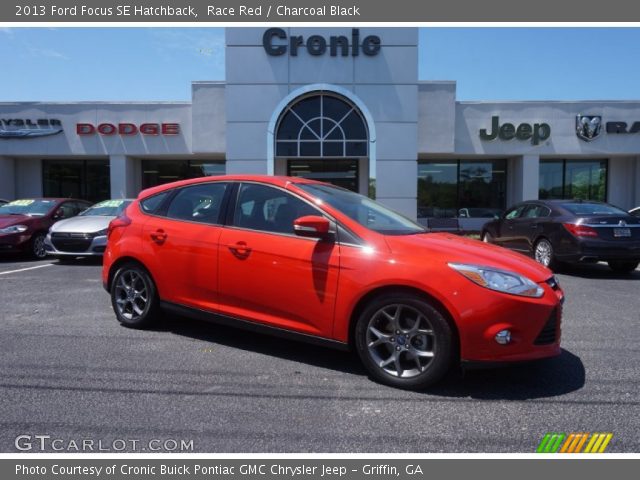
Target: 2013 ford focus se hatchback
x,y
310,260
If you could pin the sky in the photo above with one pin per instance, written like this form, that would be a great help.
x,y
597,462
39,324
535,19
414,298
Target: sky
x,y
150,63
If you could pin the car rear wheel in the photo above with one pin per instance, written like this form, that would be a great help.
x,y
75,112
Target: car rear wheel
x,y
134,297
623,266
404,342
37,246
544,254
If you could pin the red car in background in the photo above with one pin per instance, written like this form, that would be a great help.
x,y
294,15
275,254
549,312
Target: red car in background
x,y
24,223
313,261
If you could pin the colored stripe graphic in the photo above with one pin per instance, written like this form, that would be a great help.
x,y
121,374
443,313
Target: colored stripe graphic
x,y
572,443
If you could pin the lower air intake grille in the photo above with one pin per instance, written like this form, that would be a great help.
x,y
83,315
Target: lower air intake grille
x,y
548,333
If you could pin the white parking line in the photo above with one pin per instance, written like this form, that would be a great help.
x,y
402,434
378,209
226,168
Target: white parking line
x,y
25,269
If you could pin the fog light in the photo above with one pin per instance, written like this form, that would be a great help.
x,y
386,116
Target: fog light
x,y
503,337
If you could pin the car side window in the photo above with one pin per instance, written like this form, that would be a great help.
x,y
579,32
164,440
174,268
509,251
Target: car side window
x,y
536,211
67,209
268,209
151,204
514,212
198,203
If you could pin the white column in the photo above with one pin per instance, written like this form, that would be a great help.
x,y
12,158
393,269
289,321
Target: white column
x,y
124,178
524,176
7,178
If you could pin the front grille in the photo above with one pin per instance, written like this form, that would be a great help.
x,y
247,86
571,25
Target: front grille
x,y
548,334
71,242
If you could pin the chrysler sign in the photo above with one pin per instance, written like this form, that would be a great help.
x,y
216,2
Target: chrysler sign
x,y
29,128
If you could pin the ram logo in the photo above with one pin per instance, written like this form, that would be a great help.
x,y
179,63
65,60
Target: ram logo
x,y
588,127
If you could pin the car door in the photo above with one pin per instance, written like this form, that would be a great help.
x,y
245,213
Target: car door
x,y
506,235
268,274
180,245
530,225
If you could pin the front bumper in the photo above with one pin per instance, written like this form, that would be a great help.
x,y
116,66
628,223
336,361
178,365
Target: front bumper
x,y
75,244
534,325
14,242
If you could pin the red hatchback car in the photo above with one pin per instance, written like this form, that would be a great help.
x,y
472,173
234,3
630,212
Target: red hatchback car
x,y
313,261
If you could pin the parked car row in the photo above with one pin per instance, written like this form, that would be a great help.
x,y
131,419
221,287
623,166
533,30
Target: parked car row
x,y
63,227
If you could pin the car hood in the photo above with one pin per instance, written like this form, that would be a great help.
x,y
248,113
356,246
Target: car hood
x,y
455,249
9,220
82,224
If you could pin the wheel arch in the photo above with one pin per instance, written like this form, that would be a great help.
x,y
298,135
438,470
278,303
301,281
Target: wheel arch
x,y
121,261
395,289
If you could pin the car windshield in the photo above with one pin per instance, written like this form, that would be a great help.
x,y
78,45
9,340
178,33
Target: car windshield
x,y
584,209
27,207
363,210
108,208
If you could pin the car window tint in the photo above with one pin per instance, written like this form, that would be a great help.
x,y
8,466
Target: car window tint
x,y
533,211
198,203
68,209
151,204
269,209
514,212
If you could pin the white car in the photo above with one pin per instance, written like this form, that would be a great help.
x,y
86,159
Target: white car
x,y
86,234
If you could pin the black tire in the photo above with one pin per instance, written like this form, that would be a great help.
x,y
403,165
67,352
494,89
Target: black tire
x,y
410,350
549,259
134,297
623,266
37,246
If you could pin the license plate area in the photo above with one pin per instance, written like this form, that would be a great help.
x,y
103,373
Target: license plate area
x,y
621,232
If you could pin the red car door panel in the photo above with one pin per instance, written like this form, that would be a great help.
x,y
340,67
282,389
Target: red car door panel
x,y
271,276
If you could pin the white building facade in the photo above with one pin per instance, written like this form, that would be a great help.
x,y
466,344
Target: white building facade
x,y
337,104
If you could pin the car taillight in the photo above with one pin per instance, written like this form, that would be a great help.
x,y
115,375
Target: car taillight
x,y
580,230
121,221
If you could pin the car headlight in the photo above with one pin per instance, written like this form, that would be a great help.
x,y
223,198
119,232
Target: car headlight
x,y
14,229
101,233
499,280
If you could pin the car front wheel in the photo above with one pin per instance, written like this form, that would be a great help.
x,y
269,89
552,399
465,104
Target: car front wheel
x,y
38,249
623,266
404,342
134,297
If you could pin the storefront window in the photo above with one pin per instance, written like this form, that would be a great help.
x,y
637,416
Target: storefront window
x,y
584,179
85,179
158,172
461,188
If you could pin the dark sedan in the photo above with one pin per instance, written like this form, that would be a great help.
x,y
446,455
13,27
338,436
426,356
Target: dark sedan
x,y
571,231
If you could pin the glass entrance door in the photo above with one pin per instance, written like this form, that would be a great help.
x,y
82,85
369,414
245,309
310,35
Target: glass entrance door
x,y
341,172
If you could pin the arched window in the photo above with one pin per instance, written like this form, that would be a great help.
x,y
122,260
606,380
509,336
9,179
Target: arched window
x,y
321,125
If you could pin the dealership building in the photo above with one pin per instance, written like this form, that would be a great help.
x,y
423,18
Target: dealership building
x,y
342,105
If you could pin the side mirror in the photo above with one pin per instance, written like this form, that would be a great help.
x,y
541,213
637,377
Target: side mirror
x,y
313,226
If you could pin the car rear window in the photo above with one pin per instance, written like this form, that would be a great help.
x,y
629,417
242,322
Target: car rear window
x,y
584,209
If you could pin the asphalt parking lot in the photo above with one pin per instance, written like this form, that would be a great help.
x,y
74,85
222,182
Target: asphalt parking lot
x,y
70,371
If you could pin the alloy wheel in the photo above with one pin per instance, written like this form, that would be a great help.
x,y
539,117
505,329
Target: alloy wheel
x,y
400,341
544,253
39,251
131,295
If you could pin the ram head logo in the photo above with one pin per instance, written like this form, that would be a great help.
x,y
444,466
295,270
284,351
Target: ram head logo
x,y
588,127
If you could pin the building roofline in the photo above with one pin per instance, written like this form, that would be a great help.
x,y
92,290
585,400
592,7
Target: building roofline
x,y
538,102
100,102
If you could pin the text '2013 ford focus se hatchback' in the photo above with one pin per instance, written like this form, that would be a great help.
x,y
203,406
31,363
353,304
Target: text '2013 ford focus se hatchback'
x,y
309,260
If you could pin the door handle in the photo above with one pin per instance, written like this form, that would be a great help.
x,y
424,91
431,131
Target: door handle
x,y
240,250
158,236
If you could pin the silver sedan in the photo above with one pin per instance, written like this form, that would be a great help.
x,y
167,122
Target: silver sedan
x,y
85,234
